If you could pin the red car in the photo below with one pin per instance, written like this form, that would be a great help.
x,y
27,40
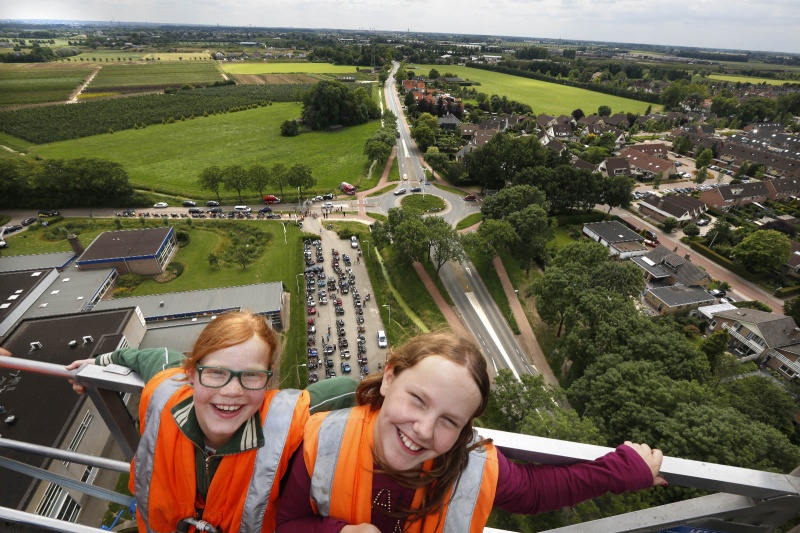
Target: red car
x,y
470,198
312,310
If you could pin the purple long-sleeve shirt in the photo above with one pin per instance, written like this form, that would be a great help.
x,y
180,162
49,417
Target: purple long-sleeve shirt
x,y
521,489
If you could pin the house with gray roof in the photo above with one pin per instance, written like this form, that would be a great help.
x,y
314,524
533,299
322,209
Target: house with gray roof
x,y
728,196
449,122
663,265
682,207
757,335
615,166
677,298
620,240
647,165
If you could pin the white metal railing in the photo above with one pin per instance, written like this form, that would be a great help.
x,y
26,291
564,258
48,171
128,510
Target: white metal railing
x,y
759,349
743,499
793,365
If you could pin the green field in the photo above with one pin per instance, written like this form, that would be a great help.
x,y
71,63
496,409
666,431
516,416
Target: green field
x,y
543,97
32,83
168,158
286,68
749,79
153,76
108,55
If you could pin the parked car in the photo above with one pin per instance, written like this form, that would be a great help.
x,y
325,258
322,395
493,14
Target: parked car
x,y
353,242
48,213
470,198
717,293
405,177
195,211
13,228
212,203
265,209
215,210
401,190
327,205
726,300
703,222
328,196
381,336
345,367
317,199
129,213
241,209
189,203
28,221
160,205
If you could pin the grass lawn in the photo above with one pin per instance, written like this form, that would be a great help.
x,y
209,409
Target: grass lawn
x,y
394,172
285,68
153,75
169,158
748,79
469,220
426,203
15,143
543,97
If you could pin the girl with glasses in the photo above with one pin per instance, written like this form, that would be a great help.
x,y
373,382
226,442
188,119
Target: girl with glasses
x,y
215,441
408,460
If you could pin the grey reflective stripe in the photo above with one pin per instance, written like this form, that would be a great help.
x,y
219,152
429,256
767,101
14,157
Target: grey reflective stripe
x,y
276,431
331,434
465,495
143,469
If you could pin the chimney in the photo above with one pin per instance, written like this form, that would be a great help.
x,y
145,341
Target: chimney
x,y
73,240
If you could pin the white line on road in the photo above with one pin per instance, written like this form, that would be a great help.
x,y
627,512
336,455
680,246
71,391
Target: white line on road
x,y
492,333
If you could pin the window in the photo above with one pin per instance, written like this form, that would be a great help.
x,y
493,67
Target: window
x,y
79,434
58,504
712,324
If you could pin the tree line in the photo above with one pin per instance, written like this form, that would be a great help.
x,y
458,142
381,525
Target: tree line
x,y
257,178
57,183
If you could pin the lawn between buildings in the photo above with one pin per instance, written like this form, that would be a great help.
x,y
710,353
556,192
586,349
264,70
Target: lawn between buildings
x,y
168,158
543,97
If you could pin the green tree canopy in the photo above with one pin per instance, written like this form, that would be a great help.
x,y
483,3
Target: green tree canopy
x,y
331,103
763,250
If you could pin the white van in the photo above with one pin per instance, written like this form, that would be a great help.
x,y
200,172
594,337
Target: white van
x,y
381,335
241,209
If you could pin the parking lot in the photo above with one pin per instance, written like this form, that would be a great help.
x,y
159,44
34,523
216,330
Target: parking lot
x,y
339,332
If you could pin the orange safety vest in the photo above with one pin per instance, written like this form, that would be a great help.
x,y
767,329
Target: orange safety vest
x,y
241,496
338,451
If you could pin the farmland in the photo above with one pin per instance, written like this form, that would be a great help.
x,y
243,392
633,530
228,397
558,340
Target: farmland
x,y
168,158
129,78
285,68
543,97
31,83
749,79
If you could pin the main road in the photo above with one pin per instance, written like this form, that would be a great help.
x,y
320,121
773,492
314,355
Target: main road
x,y
471,298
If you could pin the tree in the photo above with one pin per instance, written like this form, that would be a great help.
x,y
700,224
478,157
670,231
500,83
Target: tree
x,y
258,178
512,199
331,103
213,260
376,150
702,175
682,144
423,136
616,191
290,128
604,111
234,177
657,181
691,230
578,114
433,74
436,159
211,179
443,242
299,176
670,223
243,254
534,230
704,159
278,176
763,250
410,238
792,308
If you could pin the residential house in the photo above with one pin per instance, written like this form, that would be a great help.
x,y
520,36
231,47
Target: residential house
x,y
585,165
682,207
665,266
553,144
615,166
792,267
468,131
728,196
676,299
562,132
655,149
589,120
757,335
545,121
783,188
449,122
775,164
620,120
648,166
620,240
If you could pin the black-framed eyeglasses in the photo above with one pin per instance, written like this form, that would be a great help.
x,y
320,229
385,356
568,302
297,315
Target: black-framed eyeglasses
x,y
215,377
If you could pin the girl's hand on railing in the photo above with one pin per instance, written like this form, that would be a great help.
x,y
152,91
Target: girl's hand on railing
x,y
80,389
653,458
5,352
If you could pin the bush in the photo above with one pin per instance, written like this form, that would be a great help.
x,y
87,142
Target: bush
x,y
290,128
785,292
722,261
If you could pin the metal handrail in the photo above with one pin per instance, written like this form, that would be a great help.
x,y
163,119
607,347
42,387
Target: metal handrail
x,y
746,500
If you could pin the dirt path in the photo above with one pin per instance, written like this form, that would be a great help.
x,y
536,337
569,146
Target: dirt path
x,y
73,98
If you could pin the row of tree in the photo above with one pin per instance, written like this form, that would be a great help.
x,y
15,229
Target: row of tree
x,y
332,103
56,183
257,177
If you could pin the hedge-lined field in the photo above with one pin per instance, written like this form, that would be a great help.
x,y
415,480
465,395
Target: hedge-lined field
x,y
543,97
33,83
61,122
169,158
152,76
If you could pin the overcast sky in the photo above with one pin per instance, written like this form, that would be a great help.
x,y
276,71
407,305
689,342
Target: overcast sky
x,y
772,25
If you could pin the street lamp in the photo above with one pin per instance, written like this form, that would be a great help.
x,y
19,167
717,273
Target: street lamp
x,y
390,312
297,370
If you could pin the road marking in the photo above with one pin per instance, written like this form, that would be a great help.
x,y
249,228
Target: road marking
x,y
492,333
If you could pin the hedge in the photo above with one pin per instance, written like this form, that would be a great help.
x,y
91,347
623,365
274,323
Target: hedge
x,y
785,292
722,261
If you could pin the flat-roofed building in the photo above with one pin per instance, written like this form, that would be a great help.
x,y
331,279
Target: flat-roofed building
x,y
618,238
677,298
49,413
140,251
263,298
